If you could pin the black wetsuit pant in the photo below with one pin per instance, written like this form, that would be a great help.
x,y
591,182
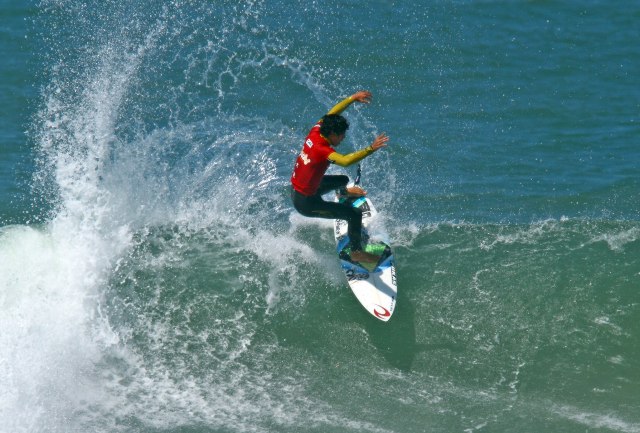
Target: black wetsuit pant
x,y
314,206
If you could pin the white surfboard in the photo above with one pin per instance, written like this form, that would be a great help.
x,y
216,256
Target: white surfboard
x,y
374,284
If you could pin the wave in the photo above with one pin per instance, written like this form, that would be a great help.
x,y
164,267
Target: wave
x,y
150,171
196,326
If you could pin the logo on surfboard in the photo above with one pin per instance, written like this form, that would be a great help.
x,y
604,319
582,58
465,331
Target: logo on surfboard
x,y
381,314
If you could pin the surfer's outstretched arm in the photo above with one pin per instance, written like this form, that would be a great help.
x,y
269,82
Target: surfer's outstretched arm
x,y
353,157
363,96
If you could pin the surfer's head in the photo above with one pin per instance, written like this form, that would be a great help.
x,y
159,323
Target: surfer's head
x,y
334,127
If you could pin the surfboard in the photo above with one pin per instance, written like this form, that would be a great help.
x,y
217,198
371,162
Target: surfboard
x,y
373,284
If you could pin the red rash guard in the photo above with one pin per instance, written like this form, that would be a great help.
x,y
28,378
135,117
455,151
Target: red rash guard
x,y
312,163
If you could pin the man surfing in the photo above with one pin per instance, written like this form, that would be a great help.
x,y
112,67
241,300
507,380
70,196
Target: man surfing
x,y
309,181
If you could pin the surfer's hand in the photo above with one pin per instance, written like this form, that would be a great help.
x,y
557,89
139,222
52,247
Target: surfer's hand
x,y
356,191
380,141
363,96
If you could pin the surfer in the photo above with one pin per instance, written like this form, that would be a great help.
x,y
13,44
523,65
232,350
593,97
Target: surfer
x,y
309,181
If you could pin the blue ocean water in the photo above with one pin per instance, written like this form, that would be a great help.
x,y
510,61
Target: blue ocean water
x,y
154,276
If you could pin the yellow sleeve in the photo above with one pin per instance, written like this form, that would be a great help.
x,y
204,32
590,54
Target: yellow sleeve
x,y
341,106
350,158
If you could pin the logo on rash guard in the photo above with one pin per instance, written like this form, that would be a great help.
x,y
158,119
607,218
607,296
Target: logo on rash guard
x,y
381,314
305,158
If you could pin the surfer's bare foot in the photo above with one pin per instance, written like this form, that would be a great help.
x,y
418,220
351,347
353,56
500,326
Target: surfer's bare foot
x,y
356,191
362,256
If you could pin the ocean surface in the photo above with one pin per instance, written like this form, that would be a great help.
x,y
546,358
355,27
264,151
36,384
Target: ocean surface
x,y
154,277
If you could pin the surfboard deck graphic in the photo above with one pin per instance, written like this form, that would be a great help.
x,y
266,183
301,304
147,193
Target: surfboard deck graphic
x,y
374,284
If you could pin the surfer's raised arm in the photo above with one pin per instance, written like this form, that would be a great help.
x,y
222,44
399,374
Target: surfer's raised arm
x,y
363,96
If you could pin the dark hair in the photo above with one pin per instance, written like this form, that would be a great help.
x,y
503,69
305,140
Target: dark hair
x,y
333,123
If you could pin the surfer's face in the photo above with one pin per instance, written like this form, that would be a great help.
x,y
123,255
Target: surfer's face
x,y
336,139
